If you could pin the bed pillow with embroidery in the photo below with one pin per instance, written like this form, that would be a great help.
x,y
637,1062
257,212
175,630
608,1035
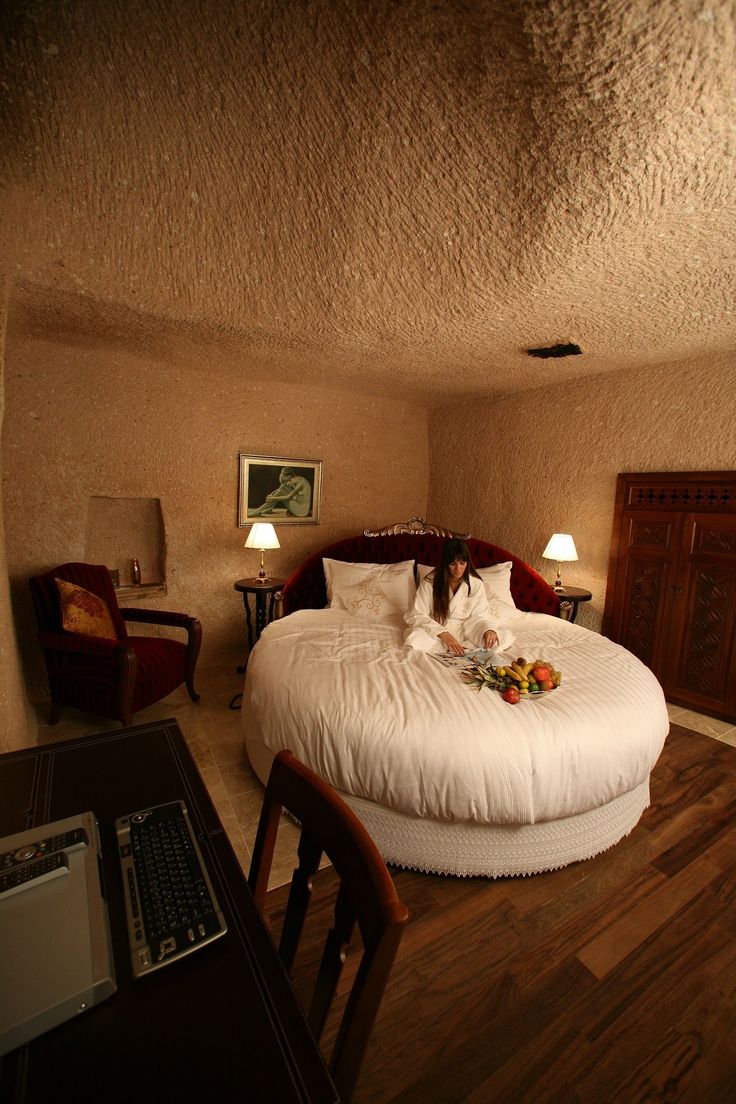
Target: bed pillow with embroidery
x,y
365,599
369,590
497,581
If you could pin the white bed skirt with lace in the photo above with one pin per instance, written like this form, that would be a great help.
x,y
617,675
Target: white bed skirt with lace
x,y
469,849
478,850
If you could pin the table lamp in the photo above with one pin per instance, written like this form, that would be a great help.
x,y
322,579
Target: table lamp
x,y
262,536
560,547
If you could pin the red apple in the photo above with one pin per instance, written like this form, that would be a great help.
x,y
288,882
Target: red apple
x,y
511,695
541,674
546,684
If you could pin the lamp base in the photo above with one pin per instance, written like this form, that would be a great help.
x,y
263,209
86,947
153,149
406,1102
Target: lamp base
x,y
262,578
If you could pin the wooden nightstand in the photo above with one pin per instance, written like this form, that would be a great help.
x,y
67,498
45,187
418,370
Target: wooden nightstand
x,y
264,609
571,597
264,614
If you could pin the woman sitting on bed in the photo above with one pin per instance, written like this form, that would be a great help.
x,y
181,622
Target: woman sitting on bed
x,y
451,609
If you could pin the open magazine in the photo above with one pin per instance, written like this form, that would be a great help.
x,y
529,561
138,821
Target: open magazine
x,y
476,655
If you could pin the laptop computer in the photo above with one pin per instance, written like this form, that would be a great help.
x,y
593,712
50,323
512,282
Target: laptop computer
x,y
55,950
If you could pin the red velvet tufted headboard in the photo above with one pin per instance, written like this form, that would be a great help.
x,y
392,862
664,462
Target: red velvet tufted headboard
x,y
305,589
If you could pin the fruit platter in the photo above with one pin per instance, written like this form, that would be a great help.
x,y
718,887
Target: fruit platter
x,y
517,681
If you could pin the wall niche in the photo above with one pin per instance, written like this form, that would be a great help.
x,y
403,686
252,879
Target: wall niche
x,y
120,530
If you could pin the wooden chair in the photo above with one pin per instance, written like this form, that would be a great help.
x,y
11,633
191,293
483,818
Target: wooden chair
x,y
110,678
366,894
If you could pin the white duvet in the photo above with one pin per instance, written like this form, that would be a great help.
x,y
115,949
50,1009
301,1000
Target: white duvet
x,y
383,722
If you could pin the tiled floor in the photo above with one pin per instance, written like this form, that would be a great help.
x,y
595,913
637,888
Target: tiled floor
x,y
709,726
213,733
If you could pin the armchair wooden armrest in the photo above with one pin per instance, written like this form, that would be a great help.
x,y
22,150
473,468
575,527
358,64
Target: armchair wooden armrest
x,y
178,621
160,617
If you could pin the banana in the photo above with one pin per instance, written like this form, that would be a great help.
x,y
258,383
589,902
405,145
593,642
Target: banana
x,y
519,670
514,674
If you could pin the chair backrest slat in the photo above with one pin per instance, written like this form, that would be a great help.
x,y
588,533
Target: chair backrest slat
x,y
300,897
366,895
333,960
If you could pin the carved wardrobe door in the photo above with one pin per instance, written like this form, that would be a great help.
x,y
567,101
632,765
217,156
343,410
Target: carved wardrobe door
x,y
700,670
671,595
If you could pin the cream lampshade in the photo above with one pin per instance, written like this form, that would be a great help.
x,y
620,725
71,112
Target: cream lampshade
x,y
262,536
560,547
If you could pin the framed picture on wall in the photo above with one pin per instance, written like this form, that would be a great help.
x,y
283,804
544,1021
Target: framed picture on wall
x,y
279,490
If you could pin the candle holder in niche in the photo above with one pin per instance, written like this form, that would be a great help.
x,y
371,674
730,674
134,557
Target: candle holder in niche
x,y
135,572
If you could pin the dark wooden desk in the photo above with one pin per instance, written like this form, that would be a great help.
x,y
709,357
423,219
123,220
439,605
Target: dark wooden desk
x,y
222,1024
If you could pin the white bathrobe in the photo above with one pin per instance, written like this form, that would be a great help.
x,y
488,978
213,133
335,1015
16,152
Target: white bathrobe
x,y
469,616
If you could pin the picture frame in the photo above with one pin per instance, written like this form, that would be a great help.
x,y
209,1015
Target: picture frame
x,y
278,489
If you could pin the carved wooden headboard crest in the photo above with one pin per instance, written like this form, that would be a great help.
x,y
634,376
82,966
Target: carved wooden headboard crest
x,y
417,527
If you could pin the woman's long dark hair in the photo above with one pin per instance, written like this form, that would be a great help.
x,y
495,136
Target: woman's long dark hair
x,y
454,549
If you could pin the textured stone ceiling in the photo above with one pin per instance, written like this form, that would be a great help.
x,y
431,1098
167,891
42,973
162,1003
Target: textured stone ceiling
x,y
402,196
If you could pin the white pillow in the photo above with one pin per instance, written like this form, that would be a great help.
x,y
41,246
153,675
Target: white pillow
x,y
366,599
423,571
396,581
497,581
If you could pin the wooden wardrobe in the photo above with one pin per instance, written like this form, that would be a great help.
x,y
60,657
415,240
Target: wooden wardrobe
x,y
671,594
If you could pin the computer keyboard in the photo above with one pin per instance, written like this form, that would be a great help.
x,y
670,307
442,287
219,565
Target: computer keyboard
x,y
170,905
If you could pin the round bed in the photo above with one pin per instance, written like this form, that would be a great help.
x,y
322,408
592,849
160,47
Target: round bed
x,y
448,779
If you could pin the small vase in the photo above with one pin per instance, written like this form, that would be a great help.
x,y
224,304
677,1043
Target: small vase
x,y
135,572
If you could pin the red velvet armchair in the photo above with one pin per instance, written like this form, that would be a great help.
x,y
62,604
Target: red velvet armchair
x,y
110,678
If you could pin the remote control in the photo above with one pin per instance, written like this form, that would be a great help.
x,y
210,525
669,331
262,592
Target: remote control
x,y
66,841
29,874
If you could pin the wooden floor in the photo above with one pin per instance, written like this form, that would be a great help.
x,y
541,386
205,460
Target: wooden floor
x,y
610,980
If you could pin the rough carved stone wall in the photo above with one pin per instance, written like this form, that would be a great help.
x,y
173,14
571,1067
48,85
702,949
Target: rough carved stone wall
x,y
546,461
85,422
15,714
